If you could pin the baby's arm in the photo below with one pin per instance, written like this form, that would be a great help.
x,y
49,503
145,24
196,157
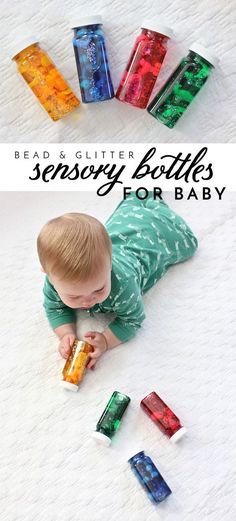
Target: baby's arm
x,y
100,342
61,318
129,309
111,339
67,335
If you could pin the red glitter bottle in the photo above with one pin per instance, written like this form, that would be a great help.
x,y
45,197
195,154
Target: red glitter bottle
x,y
144,64
162,415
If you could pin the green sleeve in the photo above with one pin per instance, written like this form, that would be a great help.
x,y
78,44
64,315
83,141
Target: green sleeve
x,y
57,312
129,309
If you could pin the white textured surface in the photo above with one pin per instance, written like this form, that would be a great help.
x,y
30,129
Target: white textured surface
x,y
51,469
211,118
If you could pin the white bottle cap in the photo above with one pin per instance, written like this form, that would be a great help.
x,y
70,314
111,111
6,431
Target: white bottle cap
x,y
101,438
88,20
68,385
204,53
19,45
178,435
155,26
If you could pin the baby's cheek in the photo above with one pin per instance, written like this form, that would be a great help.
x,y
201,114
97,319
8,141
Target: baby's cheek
x,y
71,303
104,296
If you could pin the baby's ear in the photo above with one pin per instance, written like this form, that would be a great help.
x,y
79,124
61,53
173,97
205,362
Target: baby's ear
x,y
41,269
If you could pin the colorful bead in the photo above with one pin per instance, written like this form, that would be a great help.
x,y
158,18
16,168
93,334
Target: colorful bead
x,y
111,417
162,415
75,365
92,63
143,68
149,477
46,81
180,89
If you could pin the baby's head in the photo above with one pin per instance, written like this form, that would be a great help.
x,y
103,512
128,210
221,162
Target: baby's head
x,y
75,251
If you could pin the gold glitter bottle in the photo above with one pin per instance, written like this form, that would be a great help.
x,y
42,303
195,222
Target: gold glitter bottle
x,y
44,79
75,365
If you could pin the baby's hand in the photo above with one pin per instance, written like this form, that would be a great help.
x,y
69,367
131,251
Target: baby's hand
x,y
99,343
65,344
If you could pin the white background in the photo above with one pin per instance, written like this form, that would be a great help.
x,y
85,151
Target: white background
x,y
211,118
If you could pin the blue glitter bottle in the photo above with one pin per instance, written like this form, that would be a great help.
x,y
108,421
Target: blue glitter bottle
x,y
149,477
91,60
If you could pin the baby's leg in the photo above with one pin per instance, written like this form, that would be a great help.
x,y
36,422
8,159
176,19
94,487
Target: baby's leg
x,y
185,241
173,228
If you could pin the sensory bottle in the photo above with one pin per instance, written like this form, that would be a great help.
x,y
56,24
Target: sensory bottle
x,y
162,415
92,61
75,365
149,477
44,79
111,417
144,64
183,85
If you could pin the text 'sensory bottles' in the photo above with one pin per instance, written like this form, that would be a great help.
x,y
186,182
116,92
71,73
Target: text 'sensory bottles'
x,y
75,365
92,61
162,415
144,64
183,85
44,79
149,477
111,417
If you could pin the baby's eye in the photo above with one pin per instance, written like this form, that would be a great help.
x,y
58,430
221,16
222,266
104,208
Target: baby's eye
x,y
99,290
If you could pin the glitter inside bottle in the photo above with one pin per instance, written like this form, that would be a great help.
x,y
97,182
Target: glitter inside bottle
x,y
182,86
162,415
75,365
149,477
92,61
111,417
144,64
45,80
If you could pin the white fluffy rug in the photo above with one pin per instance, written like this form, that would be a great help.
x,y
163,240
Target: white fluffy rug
x,y
51,469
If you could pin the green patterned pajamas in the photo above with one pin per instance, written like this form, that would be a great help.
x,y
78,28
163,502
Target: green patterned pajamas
x,y
147,238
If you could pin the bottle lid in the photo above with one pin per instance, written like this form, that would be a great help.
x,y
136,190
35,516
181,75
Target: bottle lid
x,y
204,53
68,385
178,435
19,45
101,438
88,20
153,25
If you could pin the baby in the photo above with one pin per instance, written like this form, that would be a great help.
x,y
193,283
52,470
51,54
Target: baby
x,y
108,268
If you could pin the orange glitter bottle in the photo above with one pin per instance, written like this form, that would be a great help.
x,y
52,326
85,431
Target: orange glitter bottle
x,y
75,365
46,82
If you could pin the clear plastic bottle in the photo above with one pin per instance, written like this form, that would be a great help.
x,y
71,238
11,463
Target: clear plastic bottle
x,y
44,79
149,477
183,85
92,61
144,64
163,416
75,365
111,417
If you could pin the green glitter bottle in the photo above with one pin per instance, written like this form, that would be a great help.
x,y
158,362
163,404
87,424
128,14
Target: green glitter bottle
x,y
183,85
111,417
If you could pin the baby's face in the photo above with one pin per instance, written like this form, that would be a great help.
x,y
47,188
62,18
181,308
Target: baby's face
x,y
85,294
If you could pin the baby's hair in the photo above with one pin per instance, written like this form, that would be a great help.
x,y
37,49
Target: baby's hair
x,y
73,246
